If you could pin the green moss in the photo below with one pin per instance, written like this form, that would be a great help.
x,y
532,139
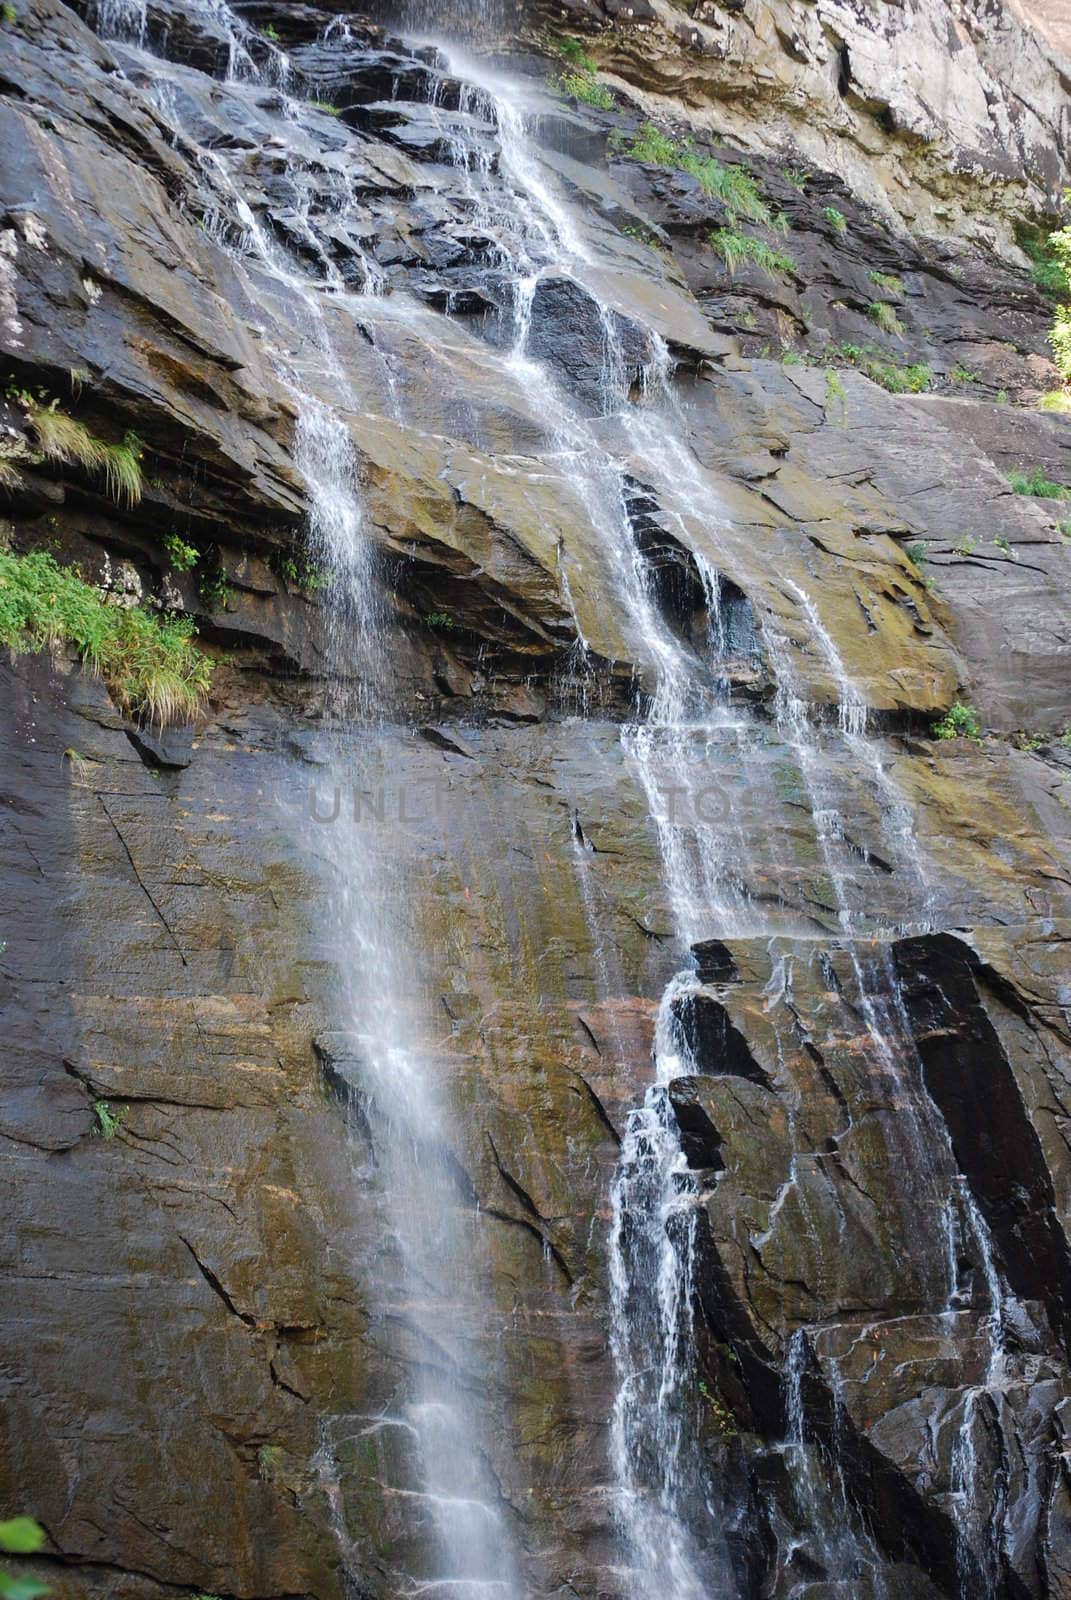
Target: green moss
x,y
325,106
150,667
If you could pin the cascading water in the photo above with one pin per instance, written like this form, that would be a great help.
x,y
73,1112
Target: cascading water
x,y
428,1285
687,742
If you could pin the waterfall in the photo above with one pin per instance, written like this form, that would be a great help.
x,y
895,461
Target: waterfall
x,y
693,748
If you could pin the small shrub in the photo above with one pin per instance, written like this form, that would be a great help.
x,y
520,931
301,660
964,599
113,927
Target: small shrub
x,y
9,15
213,589
1002,397
440,620
797,178
884,315
580,86
736,247
958,722
887,282
916,554
108,1121
1035,483
271,32
182,556
573,51
835,218
151,667
1058,400
790,358
962,375
966,546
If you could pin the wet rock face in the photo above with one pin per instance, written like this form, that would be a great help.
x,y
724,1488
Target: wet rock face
x,y
211,1336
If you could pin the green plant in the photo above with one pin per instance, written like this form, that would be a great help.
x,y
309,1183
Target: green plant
x,y
907,379
581,86
1049,264
1002,397
21,1536
1064,529
325,106
884,315
182,556
797,177
721,1417
9,15
791,358
1002,544
151,667
735,187
440,619
734,247
271,32
10,477
1035,483
1058,400
961,374
958,722
835,218
966,546
65,440
573,51
887,282
214,590
916,554
108,1121
835,390
268,1458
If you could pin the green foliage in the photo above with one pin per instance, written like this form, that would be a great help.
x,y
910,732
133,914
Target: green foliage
x,y
325,106
884,315
835,391
966,545
65,440
735,187
1060,340
797,177
908,378
1049,261
958,722
9,15
791,358
887,282
916,554
440,620
835,218
271,32
573,51
269,1457
150,667
583,87
962,375
1058,400
301,573
1002,544
108,1121
1035,483
214,590
21,1536
734,247
182,556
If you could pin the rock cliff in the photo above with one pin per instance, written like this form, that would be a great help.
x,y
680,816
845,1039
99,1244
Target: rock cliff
x,y
279,246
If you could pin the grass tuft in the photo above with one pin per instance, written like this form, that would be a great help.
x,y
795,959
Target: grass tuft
x,y
65,440
581,86
887,282
1058,400
152,668
1035,483
734,247
733,186
884,315
835,218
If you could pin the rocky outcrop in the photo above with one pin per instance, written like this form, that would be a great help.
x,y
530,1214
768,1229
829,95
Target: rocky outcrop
x,y
209,1329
